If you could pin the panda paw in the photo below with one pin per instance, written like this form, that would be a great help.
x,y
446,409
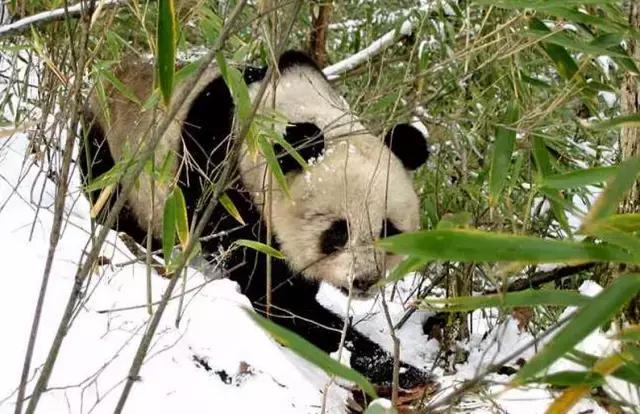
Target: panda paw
x,y
378,368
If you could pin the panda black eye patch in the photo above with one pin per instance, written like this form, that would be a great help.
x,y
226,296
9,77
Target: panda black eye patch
x,y
388,229
335,237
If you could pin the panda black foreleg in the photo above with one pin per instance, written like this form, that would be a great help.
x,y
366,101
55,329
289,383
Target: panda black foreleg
x,y
294,306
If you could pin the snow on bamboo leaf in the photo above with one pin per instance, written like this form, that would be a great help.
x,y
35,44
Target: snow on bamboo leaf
x,y
587,319
166,41
480,246
312,353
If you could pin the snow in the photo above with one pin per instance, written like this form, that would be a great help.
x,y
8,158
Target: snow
x,y
216,358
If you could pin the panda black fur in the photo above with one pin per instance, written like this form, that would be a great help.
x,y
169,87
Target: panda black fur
x,y
319,244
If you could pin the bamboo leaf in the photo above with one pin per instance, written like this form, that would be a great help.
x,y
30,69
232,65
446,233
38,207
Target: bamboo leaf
x,y
628,372
569,378
231,208
166,41
168,228
502,152
479,246
537,4
623,121
272,162
528,297
601,308
182,222
579,178
261,247
237,86
609,200
408,265
565,64
312,353
624,222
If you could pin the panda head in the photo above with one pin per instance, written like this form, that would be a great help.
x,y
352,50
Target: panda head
x,y
356,189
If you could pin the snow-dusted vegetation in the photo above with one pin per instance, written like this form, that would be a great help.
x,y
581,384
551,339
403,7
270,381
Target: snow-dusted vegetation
x,y
519,294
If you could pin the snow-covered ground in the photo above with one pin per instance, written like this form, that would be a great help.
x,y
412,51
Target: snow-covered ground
x,y
217,359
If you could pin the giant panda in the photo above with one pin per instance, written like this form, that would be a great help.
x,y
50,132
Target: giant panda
x,y
355,189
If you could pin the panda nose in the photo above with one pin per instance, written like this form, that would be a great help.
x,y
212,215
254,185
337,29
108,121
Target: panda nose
x,y
364,284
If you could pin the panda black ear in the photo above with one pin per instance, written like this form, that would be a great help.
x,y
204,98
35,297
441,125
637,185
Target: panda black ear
x,y
304,137
408,144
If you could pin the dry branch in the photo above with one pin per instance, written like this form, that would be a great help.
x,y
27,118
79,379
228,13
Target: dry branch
x,y
319,30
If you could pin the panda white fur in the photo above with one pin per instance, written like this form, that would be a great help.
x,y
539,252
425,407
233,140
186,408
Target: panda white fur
x,y
356,189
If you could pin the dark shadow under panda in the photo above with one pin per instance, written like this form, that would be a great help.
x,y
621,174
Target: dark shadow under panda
x,y
356,189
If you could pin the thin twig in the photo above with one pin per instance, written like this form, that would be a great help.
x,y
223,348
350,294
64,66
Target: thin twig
x,y
226,177
54,237
132,169
540,278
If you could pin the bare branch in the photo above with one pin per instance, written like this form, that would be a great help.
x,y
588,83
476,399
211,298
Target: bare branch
x,y
375,48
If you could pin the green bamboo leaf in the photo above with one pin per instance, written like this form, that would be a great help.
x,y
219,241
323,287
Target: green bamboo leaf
x,y
576,15
624,121
596,47
579,178
261,247
541,156
587,319
455,221
312,353
231,208
628,372
570,378
528,297
624,222
272,162
237,86
565,64
611,235
542,160
534,82
166,41
479,246
630,334
123,89
609,200
408,265
182,222
168,228
279,140
538,4
502,152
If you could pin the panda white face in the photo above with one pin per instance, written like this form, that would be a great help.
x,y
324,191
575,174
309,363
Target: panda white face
x,y
339,208
356,189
